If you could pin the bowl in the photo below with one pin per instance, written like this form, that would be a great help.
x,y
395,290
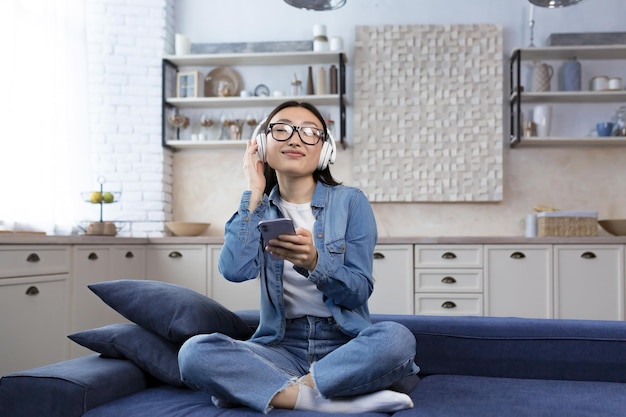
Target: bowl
x,y
186,228
616,227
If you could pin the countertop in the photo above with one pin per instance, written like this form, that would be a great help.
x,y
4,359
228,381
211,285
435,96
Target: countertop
x,y
16,239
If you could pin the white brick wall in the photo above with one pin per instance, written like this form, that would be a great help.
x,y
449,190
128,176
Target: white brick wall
x,y
126,40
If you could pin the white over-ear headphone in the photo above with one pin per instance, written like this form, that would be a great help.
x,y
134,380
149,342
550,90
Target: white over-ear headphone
x,y
327,155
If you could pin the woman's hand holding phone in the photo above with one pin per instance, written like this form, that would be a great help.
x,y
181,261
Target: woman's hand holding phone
x,y
282,241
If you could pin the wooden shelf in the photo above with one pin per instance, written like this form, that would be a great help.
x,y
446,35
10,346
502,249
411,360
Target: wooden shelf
x,y
233,102
172,64
560,53
206,144
257,58
617,96
569,141
596,52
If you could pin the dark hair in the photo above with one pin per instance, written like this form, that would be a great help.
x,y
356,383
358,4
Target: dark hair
x,y
323,175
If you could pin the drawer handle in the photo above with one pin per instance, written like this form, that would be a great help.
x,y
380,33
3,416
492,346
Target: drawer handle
x,y
129,255
517,255
33,258
92,256
32,290
378,255
588,255
448,255
448,280
175,254
448,304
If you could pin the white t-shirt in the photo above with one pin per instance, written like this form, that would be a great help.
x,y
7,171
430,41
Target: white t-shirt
x,y
302,298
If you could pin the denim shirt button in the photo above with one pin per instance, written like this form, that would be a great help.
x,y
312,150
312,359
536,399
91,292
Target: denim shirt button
x,y
320,235
247,219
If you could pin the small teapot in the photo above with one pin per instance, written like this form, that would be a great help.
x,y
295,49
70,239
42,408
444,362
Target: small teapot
x,y
542,76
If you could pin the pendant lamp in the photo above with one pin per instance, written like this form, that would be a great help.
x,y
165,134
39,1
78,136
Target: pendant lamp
x,y
316,5
552,4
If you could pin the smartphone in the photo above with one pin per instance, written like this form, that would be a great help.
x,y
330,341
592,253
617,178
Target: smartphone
x,y
270,229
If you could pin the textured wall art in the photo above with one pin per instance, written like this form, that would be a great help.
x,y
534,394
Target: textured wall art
x,y
428,113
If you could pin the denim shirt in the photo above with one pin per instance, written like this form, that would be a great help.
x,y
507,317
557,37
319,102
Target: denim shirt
x,y
344,234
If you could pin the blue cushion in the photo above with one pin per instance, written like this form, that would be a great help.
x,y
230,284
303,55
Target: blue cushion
x,y
171,311
167,401
155,355
584,350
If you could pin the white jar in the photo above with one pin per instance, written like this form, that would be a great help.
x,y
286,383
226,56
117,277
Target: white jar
x,y
615,83
599,83
336,44
320,40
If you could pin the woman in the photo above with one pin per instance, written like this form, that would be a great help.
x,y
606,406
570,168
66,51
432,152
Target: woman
x,y
315,347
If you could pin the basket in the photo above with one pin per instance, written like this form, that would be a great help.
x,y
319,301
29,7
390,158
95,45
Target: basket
x,y
567,224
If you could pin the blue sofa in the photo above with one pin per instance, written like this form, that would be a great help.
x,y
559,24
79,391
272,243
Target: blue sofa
x,y
470,366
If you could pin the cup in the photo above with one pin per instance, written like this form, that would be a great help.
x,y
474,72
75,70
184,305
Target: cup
x,y
604,129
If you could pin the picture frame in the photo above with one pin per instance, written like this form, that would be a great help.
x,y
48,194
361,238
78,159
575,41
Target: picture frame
x,y
188,84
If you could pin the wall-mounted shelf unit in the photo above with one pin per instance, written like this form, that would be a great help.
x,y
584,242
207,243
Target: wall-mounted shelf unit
x,y
171,64
518,97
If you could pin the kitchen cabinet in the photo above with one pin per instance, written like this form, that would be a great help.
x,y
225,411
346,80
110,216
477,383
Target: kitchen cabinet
x,y
97,263
562,53
589,282
232,295
519,280
34,306
185,265
393,286
172,64
448,280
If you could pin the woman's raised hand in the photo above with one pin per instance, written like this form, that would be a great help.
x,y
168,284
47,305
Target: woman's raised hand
x,y
253,169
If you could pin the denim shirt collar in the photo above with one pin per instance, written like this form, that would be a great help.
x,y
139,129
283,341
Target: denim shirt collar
x,y
320,195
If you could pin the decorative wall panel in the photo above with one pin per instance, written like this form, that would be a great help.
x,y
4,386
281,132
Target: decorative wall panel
x,y
428,113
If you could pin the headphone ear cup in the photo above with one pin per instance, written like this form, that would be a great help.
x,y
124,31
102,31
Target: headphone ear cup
x,y
328,153
261,141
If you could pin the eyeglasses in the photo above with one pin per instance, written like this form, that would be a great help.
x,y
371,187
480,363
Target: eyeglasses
x,y
308,135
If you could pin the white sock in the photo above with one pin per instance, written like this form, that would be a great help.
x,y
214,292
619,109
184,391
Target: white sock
x,y
384,401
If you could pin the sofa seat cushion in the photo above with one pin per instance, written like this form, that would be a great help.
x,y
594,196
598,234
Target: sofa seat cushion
x,y
475,396
169,401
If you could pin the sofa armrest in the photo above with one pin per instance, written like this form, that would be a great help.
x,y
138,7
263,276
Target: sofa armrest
x,y
69,388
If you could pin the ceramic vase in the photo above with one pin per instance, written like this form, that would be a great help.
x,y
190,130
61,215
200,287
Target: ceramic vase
x,y
542,76
570,75
542,116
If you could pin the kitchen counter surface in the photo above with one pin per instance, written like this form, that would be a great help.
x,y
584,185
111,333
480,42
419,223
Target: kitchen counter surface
x,y
18,239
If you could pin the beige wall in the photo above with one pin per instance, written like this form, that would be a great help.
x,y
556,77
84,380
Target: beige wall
x,y
207,186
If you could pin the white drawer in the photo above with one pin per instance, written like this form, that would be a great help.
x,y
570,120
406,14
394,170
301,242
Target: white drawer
x,y
21,261
448,256
449,304
448,280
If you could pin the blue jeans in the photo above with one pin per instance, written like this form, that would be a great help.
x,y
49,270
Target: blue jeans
x,y
251,374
